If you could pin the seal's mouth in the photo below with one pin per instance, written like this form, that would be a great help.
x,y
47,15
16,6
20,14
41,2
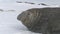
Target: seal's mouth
x,y
20,16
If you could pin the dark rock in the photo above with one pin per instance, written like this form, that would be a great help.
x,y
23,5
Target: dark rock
x,y
41,20
19,2
43,4
1,10
29,2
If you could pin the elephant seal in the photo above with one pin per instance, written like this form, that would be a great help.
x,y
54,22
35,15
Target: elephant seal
x,y
41,20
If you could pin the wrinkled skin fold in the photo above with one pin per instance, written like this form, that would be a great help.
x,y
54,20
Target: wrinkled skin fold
x,y
41,20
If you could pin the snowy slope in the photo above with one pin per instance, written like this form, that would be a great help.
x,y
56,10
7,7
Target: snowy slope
x,y
8,20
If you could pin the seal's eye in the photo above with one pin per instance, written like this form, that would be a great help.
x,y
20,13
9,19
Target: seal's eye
x,y
28,13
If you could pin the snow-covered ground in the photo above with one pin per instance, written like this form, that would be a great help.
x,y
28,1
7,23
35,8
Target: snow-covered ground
x,y
8,19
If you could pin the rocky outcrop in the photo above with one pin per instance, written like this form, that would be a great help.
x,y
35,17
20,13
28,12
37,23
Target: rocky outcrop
x,y
41,20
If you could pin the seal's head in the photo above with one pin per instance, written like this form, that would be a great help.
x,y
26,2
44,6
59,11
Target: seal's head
x,y
30,18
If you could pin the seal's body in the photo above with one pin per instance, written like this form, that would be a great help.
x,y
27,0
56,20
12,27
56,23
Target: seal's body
x,y
42,20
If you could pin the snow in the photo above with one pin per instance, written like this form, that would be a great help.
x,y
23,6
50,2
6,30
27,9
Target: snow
x,y
8,19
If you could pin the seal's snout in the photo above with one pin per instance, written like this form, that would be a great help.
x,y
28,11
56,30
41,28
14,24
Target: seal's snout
x,y
18,17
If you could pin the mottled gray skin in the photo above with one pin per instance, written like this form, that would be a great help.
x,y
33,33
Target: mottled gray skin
x,y
41,20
